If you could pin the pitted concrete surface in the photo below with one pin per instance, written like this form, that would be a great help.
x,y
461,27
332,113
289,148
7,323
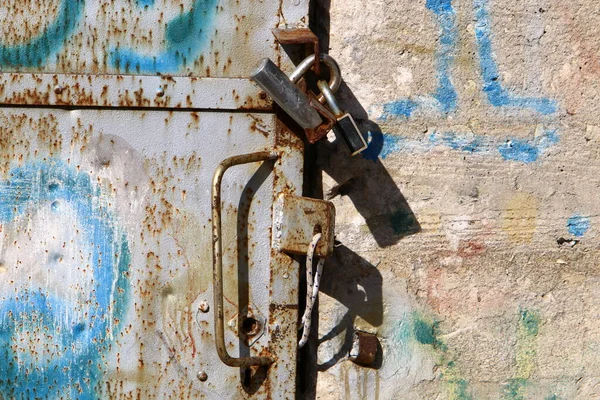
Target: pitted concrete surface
x,y
469,228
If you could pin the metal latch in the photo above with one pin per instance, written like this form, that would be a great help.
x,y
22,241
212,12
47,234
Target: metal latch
x,y
296,220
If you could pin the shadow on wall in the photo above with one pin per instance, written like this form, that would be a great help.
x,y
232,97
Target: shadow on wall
x,y
366,181
358,286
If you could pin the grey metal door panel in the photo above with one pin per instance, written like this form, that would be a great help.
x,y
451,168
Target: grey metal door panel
x,y
106,265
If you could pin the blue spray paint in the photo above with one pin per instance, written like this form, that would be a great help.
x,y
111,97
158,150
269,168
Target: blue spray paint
x,y
186,37
528,151
35,53
73,366
578,225
492,84
444,98
520,150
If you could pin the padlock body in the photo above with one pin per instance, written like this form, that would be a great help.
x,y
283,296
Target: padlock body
x,y
286,94
346,129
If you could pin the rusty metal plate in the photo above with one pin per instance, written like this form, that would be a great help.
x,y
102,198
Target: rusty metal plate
x,y
296,220
105,254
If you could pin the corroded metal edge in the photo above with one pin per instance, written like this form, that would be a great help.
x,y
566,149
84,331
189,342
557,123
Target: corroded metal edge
x,y
76,90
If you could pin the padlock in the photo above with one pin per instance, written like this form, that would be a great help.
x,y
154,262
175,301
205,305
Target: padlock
x,y
345,126
302,108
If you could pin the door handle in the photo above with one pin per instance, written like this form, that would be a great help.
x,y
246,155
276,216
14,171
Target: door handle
x,y
218,259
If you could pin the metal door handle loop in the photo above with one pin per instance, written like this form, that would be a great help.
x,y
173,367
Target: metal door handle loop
x,y
218,259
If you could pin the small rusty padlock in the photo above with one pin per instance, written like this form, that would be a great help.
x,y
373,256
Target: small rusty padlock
x,y
345,127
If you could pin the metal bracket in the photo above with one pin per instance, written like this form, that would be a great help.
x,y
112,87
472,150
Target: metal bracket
x,y
299,36
297,219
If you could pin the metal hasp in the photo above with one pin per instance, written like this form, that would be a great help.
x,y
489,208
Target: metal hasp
x,y
218,259
296,220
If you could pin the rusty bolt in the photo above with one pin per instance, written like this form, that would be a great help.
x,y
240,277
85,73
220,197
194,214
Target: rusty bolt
x,y
262,95
365,347
58,89
202,376
160,92
286,275
204,307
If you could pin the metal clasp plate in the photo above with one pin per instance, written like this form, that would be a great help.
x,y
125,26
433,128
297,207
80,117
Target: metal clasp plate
x,y
296,220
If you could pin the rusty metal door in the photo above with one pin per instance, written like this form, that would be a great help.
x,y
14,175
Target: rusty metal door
x,y
116,114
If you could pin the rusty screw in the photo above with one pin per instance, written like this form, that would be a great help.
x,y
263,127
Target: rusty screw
x,y
204,307
58,89
160,92
262,95
202,376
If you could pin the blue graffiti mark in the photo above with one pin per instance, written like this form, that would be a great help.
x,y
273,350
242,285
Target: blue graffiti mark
x,y
472,144
445,93
74,340
36,52
391,144
444,97
186,37
492,84
528,151
578,225
400,108
525,151
145,3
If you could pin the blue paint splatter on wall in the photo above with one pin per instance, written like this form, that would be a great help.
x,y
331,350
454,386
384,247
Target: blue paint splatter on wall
x,y
470,144
578,225
145,3
521,150
391,144
444,98
492,83
73,335
400,108
36,52
528,151
186,37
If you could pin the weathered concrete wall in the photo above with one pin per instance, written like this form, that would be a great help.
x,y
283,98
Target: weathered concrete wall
x,y
469,228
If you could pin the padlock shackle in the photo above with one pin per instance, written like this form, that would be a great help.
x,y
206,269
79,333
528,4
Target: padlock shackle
x,y
335,79
330,98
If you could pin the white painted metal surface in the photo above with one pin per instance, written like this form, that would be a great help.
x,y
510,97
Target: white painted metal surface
x,y
105,239
106,254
